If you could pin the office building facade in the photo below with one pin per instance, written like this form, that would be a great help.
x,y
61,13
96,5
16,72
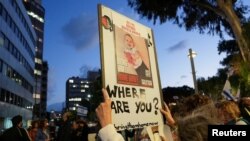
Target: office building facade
x,y
77,92
17,53
36,13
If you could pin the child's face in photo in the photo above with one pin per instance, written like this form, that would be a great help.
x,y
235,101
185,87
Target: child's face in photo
x,y
129,41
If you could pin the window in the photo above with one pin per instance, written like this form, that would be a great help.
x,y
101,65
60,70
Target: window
x,y
11,98
2,95
37,72
1,9
37,60
1,39
7,96
1,66
4,68
4,13
9,72
6,43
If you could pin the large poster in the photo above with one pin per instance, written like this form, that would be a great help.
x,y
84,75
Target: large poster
x,y
129,70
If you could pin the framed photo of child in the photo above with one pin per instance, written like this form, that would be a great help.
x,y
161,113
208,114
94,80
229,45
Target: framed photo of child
x,y
129,70
132,59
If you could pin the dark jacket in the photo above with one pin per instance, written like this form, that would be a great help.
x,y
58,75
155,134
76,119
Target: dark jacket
x,y
64,132
15,134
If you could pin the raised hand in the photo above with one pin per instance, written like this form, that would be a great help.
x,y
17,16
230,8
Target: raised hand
x,y
103,111
167,113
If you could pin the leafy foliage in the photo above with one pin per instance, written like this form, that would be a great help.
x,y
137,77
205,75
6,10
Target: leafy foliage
x,y
213,86
203,15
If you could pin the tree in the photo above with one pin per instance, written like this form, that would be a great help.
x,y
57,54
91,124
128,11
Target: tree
x,y
213,16
174,94
233,61
213,86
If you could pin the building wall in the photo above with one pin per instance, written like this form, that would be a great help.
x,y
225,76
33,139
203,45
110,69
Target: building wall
x,y
17,49
77,92
36,13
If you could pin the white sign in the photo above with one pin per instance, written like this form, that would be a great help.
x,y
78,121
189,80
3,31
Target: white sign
x,y
82,111
129,70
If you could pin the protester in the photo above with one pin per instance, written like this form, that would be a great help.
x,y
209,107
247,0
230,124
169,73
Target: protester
x,y
42,133
76,133
64,131
52,130
103,112
16,132
194,127
230,113
33,129
189,127
85,130
190,103
244,105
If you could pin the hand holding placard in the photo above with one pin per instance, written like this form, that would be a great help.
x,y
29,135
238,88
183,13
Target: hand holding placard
x,y
103,111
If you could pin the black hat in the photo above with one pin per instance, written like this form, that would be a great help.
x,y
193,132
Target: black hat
x,y
16,120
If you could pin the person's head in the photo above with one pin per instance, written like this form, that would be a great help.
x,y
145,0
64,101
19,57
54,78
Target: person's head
x,y
228,110
66,116
194,127
192,102
82,123
129,42
34,124
17,121
43,123
75,125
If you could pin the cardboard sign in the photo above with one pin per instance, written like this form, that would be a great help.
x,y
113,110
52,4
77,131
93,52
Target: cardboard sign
x,y
129,70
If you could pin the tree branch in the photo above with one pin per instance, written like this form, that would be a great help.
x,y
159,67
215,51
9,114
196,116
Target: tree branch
x,y
209,7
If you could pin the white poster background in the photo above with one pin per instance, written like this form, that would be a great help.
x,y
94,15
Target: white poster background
x,y
129,118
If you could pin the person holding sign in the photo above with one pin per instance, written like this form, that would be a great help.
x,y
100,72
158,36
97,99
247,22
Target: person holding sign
x,y
103,112
108,131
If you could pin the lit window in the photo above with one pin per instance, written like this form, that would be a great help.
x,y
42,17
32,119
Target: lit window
x,y
74,86
36,49
86,86
37,60
35,16
37,72
71,81
40,39
82,90
75,99
36,96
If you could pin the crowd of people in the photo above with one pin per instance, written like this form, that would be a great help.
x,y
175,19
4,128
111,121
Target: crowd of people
x,y
188,121
69,130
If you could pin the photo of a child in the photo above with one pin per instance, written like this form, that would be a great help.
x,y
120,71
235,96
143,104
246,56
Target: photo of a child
x,y
133,66
134,58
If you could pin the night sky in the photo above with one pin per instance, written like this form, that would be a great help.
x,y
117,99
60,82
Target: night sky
x,y
71,45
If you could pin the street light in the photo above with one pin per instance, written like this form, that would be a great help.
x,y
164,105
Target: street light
x,y
191,55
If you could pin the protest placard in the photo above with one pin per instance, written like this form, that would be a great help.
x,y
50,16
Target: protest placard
x,y
129,70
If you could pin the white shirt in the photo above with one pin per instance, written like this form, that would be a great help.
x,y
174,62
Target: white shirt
x,y
108,133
